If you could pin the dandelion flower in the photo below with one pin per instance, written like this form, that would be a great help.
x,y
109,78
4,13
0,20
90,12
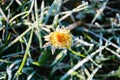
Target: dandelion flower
x,y
60,38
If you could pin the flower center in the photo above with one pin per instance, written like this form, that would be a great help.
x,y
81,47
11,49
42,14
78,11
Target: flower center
x,y
61,37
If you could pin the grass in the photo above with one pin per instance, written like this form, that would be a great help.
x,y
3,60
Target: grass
x,y
94,54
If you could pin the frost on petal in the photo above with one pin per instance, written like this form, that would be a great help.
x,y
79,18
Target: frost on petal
x,y
46,45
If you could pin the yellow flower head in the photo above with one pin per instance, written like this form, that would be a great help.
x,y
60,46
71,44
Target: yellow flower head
x,y
60,38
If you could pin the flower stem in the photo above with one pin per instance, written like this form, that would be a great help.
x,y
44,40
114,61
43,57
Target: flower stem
x,y
76,53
